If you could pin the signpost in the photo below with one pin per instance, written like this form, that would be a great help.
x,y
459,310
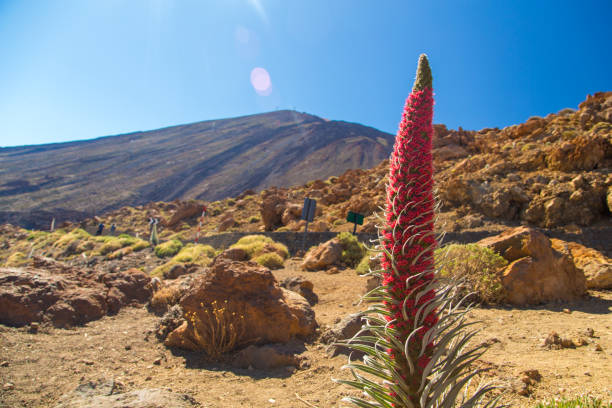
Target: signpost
x,y
355,218
308,214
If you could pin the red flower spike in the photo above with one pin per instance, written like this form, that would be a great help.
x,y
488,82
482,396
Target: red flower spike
x,y
409,211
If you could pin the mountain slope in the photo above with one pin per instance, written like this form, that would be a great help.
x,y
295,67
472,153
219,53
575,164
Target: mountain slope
x,y
206,160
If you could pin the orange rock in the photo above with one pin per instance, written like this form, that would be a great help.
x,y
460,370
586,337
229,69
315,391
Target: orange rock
x,y
596,267
326,254
538,272
265,312
184,211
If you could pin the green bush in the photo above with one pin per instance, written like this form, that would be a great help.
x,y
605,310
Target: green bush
x,y
364,266
352,250
160,270
168,248
195,253
140,245
271,260
16,259
578,402
191,253
255,245
110,245
479,266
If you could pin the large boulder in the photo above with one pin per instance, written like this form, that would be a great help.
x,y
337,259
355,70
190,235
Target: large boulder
x,y
537,272
323,256
273,205
597,268
64,295
184,211
257,307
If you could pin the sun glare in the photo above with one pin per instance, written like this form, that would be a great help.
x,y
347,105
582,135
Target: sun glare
x,y
259,9
260,79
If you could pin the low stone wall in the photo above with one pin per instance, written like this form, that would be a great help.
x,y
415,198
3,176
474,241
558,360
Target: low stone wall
x,y
296,241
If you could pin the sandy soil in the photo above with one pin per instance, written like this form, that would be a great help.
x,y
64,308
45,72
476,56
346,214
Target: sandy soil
x,y
44,366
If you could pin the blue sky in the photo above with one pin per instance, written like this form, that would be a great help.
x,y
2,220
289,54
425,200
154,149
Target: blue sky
x,y
78,69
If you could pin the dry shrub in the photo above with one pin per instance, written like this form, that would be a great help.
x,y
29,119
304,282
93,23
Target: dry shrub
x,y
478,266
165,298
257,245
16,259
168,248
352,250
270,260
217,328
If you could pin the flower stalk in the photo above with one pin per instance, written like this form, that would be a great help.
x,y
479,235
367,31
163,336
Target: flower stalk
x,y
415,337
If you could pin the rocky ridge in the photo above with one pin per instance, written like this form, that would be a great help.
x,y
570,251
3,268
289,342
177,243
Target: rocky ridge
x,y
551,172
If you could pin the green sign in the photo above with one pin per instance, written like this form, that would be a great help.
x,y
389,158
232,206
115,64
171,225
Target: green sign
x,y
354,218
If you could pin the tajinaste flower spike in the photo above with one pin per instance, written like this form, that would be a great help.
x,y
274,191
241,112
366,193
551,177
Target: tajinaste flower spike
x,y
414,339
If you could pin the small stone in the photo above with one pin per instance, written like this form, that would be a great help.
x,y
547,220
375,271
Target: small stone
x,y
581,342
8,386
4,364
332,271
34,326
567,343
532,374
598,347
272,400
128,347
157,361
589,332
567,311
148,378
87,362
588,374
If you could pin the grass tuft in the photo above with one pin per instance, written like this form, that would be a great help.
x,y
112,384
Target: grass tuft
x,y
270,260
578,402
168,248
256,245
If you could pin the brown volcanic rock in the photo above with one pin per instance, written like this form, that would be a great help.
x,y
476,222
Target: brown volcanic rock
x,y
538,272
596,267
291,213
582,153
273,206
323,256
64,295
270,314
185,210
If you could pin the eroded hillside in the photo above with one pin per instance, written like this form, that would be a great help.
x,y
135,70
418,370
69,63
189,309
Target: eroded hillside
x,y
551,172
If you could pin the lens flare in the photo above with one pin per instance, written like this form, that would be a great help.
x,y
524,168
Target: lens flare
x,y
260,79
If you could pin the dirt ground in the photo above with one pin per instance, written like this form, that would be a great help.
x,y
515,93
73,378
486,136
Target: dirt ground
x,y
42,367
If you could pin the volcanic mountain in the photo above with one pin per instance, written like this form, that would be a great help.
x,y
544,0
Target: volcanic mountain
x,y
206,160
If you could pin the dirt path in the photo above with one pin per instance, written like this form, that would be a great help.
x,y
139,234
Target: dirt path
x,y
45,366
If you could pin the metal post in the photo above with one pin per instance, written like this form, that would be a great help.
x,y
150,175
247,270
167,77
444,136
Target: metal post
x,y
304,240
